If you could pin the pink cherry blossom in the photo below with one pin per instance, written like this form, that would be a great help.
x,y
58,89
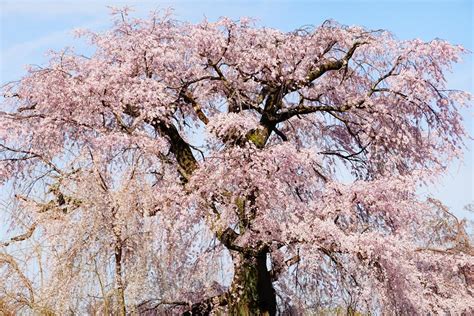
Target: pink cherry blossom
x,y
196,168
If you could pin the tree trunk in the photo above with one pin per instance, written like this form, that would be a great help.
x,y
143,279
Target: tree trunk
x,y
118,281
252,291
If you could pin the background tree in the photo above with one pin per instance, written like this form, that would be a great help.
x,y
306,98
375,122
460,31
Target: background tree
x,y
196,168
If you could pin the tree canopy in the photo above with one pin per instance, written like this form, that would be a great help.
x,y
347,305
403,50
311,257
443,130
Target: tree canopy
x,y
198,168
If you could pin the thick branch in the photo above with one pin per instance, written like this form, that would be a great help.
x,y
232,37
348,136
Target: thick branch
x,y
331,64
227,238
196,106
21,237
303,109
179,147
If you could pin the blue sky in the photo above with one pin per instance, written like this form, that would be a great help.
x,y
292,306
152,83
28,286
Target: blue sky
x,y
29,28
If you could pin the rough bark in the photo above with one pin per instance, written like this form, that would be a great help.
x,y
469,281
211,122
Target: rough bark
x,y
252,291
118,280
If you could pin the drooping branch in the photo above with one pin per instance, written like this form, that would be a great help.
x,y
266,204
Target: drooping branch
x,y
11,262
32,155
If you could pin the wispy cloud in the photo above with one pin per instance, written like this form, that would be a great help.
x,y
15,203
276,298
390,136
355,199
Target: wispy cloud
x,y
52,8
13,58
